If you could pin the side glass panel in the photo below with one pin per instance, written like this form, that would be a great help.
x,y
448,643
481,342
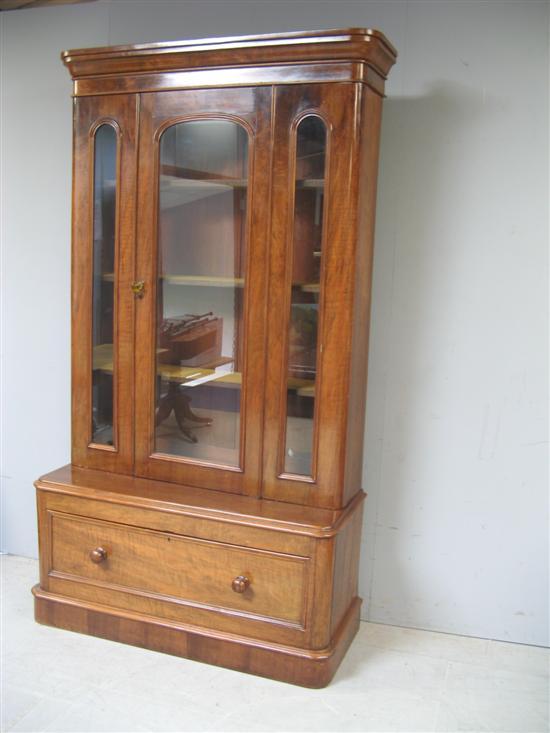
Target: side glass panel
x,y
104,236
200,290
304,302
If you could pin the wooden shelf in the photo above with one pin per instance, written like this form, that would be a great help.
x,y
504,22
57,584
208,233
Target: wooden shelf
x,y
176,191
310,287
188,178
204,280
195,280
311,183
103,361
199,375
212,281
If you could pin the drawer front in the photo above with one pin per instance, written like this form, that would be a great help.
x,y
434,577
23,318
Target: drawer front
x,y
184,569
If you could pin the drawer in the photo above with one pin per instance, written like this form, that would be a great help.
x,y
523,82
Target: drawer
x,y
183,569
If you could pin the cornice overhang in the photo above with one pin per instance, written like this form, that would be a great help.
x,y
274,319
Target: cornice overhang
x,y
354,44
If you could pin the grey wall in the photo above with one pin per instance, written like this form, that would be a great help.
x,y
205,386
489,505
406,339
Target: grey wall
x,y
456,450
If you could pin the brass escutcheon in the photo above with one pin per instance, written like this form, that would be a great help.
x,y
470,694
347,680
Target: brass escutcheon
x,y
138,288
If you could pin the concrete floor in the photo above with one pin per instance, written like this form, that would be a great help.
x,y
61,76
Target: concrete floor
x,y
392,679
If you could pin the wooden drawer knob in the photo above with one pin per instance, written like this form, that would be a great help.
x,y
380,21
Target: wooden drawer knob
x,y
240,584
98,555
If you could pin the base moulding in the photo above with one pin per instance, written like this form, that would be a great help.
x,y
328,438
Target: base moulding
x,y
305,667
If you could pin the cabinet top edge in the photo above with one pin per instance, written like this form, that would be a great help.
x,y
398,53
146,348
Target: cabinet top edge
x,y
357,44
206,503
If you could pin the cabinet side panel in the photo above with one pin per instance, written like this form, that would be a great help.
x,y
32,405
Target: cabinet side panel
x,y
44,538
346,568
371,108
322,592
114,361
337,106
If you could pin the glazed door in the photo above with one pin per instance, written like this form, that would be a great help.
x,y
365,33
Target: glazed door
x,y
105,157
201,286
311,292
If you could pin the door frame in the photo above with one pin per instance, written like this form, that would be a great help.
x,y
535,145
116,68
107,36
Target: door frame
x,y
250,107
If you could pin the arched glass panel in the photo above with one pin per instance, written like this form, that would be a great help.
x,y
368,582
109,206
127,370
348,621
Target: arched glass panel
x,y
307,254
104,237
200,290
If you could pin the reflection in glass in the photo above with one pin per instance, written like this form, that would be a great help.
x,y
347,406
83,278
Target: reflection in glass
x,y
104,227
201,279
304,306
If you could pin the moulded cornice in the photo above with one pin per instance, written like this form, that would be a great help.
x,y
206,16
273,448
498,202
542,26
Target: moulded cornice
x,y
353,44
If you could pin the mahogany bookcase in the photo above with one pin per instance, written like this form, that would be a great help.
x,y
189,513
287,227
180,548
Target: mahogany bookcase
x,y
223,212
